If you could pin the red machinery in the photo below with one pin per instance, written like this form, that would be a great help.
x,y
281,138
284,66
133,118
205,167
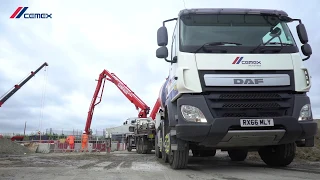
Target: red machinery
x,y
133,98
16,87
155,109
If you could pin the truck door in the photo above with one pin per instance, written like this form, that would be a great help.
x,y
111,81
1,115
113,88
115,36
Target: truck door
x,y
172,92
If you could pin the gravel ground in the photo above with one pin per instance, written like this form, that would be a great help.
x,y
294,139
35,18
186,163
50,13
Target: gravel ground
x,y
9,147
129,165
14,164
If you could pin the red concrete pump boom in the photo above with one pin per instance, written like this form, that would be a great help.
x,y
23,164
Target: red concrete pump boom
x,y
157,105
132,97
155,109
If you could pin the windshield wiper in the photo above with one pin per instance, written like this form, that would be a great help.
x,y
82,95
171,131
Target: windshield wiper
x,y
282,44
215,44
277,47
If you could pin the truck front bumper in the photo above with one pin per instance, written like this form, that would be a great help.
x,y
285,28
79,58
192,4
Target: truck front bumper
x,y
227,132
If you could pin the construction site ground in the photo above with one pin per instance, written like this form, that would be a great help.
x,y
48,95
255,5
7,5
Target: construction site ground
x,y
130,165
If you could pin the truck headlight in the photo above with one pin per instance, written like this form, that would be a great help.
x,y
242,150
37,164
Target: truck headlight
x,y
191,113
305,113
151,125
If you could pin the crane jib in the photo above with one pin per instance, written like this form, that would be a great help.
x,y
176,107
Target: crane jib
x,y
7,95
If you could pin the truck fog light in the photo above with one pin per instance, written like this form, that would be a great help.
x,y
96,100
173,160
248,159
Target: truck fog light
x,y
191,113
305,113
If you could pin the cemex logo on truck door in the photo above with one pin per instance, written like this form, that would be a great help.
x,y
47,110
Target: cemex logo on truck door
x,y
21,11
238,60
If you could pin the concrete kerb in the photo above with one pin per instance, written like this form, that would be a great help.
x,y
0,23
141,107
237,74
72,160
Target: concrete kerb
x,y
45,148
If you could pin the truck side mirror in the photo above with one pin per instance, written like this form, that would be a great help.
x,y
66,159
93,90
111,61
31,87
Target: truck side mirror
x,y
162,52
131,129
306,50
302,33
162,36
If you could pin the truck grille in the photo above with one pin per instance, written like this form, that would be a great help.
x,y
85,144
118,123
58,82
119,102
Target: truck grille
x,y
250,96
250,104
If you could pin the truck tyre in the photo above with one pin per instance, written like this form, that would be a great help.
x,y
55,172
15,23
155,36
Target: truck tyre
x,y
195,153
212,152
156,148
143,145
146,146
138,145
179,159
238,154
129,149
164,155
163,150
280,155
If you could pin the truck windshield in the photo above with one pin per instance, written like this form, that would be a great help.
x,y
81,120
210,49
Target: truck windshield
x,y
244,31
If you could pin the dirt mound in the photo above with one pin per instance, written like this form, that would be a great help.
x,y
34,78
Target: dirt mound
x,y
9,147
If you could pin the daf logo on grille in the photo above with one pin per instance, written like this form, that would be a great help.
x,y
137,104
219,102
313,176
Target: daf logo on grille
x,y
248,81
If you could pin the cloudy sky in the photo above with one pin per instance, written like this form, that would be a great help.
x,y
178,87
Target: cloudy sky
x,y
85,37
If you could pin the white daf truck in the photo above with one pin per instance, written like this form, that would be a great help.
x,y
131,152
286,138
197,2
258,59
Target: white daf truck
x,y
236,83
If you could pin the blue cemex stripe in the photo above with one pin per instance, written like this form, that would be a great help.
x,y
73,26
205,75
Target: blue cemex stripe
x,y
22,12
239,60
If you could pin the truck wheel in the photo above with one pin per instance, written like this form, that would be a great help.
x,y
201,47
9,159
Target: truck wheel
x,y
195,153
164,155
156,148
281,155
179,159
144,142
141,146
163,150
238,154
129,149
138,147
213,152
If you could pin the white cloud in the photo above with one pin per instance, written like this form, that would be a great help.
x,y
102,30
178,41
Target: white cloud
x,y
81,40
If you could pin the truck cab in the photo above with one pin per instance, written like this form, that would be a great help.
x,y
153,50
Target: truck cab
x,y
143,136
236,83
130,121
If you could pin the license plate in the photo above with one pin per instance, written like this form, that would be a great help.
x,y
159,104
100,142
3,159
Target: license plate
x,y
256,122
